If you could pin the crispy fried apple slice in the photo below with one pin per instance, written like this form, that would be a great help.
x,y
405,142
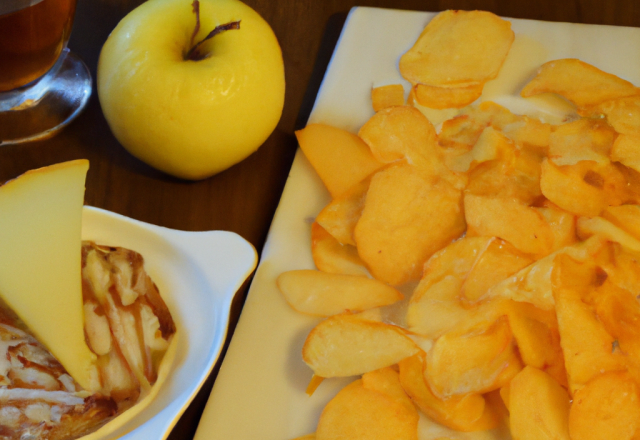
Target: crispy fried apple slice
x,y
449,52
606,407
359,413
332,257
325,294
345,345
538,406
579,82
340,158
407,217
387,96
439,97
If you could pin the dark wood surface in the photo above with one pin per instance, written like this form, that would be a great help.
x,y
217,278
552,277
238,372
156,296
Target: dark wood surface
x,y
243,198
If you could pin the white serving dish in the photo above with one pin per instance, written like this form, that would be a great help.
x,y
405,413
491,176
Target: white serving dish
x,y
260,390
197,273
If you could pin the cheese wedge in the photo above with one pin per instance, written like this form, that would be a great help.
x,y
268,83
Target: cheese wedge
x,y
40,262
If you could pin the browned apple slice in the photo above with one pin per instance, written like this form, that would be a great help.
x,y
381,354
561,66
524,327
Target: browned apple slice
x,y
344,345
325,294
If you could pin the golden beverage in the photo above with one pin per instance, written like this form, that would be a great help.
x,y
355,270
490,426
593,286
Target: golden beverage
x,y
32,35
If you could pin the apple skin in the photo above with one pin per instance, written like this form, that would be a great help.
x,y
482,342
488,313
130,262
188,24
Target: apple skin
x,y
191,119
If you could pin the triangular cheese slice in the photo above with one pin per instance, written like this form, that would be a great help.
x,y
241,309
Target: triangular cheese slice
x,y
40,259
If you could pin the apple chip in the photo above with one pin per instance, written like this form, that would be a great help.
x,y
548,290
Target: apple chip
x,y
387,96
626,217
359,413
572,189
511,220
340,216
340,158
538,406
588,348
449,52
440,97
407,217
586,227
626,150
325,294
491,145
463,413
583,139
623,114
476,360
387,381
332,257
579,82
562,223
344,345
498,261
607,407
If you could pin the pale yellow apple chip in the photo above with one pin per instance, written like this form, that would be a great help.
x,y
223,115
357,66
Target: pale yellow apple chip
x,y
340,158
607,407
450,50
626,217
626,150
583,139
579,82
623,114
340,216
588,349
359,413
332,257
325,294
511,220
586,227
407,217
476,360
539,407
344,345
446,97
387,96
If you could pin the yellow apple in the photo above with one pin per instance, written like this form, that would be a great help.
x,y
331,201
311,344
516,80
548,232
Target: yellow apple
x,y
191,118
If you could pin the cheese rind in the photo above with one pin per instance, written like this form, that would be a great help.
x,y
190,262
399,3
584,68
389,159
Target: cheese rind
x,y
40,261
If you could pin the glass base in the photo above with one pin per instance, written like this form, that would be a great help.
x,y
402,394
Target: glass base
x,y
38,110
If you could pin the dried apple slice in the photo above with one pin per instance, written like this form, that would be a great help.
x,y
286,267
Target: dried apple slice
x,y
387,381
583,139
538,406
387,96
588,348
626,217
344,345
579,82
463,413
446,97
359,413
626,150
332,257
449,52
607,407
340,216
407,217
340,158
587,227
476,360
511,220
623,113
325,294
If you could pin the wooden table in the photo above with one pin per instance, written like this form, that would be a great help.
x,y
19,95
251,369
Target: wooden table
x,y
242,199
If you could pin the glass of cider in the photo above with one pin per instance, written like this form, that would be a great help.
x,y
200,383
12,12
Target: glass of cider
x,y
43,86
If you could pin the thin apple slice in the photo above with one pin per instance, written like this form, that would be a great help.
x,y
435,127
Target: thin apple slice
x,y
387,381
387,96
326,294
332,257
340,216
340,158
344,345
539,407
357,413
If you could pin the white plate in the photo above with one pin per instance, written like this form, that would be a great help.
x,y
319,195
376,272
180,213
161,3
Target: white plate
x,y
197,274
260,390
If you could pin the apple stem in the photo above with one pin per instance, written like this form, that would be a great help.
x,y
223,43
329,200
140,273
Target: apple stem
x,y
194,54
